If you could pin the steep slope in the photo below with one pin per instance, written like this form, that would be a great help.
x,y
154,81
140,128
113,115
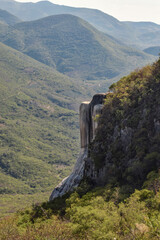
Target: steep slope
x,y
131,33
38,124
126,147
73,47
7,18
125,155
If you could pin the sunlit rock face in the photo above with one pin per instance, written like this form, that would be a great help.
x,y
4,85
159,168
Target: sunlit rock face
x,y
84,121
73,180
88,112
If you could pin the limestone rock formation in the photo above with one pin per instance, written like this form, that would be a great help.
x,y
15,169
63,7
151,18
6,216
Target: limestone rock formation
x,y
84,124
88,126
74,179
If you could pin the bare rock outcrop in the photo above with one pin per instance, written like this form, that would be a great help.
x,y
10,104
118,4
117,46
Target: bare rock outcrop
x,y
88,125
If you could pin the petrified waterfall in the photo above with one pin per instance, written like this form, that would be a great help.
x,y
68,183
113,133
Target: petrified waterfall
x,y
88,124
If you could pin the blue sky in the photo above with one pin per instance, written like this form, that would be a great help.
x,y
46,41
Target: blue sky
x,y
124,10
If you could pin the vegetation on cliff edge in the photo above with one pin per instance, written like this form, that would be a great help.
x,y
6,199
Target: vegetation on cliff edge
x,y
107,212
128,138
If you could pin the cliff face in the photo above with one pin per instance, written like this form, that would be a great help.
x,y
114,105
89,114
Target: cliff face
x,y
88,126
126,148
123,148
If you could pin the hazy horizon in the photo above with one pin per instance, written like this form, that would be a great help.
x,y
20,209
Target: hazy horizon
x,y
124,10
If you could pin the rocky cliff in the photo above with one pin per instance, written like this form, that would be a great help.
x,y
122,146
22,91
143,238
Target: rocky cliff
x,y
124,148
88,125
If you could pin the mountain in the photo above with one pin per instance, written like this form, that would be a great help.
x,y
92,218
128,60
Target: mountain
x,y
119,197
141,34
131,33
121,177
153,50
73,47
38,123
7,18
126,147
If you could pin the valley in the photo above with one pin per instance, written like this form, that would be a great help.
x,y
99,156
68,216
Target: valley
x,y
52,58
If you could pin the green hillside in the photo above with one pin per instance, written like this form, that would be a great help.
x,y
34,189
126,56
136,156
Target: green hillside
x,y
73,47
138,34
127,145
39,134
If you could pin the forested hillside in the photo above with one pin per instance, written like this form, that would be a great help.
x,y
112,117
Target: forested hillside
x,y
138,34
132,160
127,143
39,134
49,64
73,47
39,106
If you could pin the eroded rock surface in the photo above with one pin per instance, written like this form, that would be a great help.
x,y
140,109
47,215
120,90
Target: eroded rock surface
x,y
84,121
74,179
88,125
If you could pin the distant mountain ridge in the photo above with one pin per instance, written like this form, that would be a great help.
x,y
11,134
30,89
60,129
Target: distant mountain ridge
x,y
73,47
7,18
131,33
